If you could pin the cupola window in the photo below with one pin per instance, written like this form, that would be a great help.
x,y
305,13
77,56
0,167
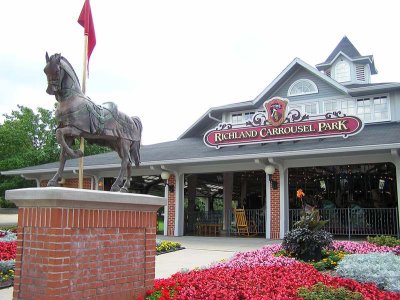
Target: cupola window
x,y
342,71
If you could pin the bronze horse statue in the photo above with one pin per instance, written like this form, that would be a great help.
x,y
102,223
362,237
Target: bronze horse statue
x,y
78,116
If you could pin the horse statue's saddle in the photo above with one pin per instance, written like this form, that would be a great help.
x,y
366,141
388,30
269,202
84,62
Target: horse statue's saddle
x,y
103,119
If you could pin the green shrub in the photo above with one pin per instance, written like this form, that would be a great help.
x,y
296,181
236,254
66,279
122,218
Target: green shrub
x,y
6,204
384,240
12,228
330,259
311,220
320,291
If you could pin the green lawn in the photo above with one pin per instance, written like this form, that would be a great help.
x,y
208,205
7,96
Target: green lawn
x,y
160,223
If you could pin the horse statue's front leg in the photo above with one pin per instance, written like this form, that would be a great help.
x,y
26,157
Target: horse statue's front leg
x,y
68,132
63,159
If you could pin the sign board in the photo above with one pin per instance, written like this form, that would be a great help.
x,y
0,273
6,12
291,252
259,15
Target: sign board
x,y
275,125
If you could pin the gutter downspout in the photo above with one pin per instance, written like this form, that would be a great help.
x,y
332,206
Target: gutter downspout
x,y
94,180
30,178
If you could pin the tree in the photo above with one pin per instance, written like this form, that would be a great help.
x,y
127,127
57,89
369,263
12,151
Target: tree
x,y
28,139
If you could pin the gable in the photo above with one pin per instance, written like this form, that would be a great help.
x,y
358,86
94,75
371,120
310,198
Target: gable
x,y
279,85
325,90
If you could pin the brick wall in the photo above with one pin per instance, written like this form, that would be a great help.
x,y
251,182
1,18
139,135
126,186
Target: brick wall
x,y
72,253
72,183
171,208
275,208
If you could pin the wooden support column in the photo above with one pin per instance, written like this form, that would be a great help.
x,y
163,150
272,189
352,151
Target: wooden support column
x,y
228,190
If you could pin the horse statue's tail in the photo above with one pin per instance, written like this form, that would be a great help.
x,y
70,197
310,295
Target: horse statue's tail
x,y
135,147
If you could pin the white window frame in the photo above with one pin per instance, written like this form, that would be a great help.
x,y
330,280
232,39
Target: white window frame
x,y
290,93
301,105
242,113
343,62
340,100
371,97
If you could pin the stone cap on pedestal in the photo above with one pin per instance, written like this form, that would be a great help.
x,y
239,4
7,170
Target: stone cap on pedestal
x,y
79,198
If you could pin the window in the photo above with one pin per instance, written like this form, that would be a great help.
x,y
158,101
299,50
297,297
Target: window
x,y
345,106
237,118
342,71
248,116
373,109
302,87
310,108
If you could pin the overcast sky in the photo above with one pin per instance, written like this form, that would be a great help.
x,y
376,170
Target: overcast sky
x,y
168,62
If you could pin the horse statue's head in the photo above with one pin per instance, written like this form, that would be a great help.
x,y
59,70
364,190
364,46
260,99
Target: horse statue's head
x,y
60,76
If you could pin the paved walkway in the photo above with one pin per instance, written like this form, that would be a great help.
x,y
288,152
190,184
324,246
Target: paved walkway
x,y
203,251
8,219
199,252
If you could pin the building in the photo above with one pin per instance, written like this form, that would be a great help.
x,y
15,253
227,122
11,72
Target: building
x,y
327,130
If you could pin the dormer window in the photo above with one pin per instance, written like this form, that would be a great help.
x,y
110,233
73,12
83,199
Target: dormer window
x,y
302,87
342,71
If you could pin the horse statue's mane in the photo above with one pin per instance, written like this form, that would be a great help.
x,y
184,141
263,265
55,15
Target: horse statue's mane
x,y
70,70
67,67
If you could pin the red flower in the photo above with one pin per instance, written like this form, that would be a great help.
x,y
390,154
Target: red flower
x,y
8,250
271,282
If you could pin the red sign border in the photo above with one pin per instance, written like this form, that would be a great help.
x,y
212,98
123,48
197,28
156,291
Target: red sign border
x,y
318,136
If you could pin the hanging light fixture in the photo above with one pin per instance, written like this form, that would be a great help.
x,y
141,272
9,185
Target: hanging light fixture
x,y
270,169
165,176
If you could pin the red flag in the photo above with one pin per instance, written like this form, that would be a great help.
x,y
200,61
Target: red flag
x,y
86,20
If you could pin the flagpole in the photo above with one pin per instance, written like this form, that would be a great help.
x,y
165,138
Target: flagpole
x,y
82,142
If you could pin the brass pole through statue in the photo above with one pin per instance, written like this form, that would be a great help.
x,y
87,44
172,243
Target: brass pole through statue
x,y
82,143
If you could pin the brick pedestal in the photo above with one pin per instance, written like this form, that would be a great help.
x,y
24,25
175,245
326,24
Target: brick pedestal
x,y
82,244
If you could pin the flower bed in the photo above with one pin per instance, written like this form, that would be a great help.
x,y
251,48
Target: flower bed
x,y
167,246
260,274
8,249
362,247
261,282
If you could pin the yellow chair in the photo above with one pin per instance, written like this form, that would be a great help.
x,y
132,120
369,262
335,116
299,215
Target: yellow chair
x,y
242,226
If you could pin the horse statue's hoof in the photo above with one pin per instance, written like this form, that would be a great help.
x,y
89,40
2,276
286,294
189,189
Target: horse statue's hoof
x,y
123,190
115,188
52,183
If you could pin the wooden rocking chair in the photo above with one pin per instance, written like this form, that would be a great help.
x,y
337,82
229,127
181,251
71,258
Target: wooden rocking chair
x,y
242,226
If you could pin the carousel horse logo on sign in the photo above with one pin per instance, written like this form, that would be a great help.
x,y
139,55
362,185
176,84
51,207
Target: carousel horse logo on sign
x,y
276,109
277,124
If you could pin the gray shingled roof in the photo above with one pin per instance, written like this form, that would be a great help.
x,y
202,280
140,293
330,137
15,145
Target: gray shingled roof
x,y
346,47
377,136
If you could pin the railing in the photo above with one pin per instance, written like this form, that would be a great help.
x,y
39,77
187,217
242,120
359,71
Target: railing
x,y
196,218
255,220
356,221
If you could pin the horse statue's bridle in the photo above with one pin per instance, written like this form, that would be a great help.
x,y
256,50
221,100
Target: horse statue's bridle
x,y
58,81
